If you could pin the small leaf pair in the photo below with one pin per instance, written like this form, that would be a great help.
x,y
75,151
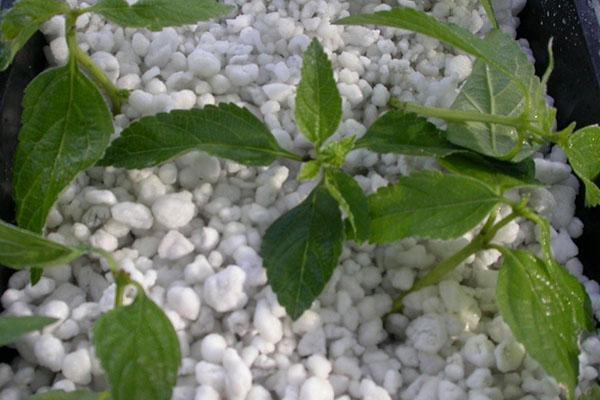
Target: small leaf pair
x,y
301,249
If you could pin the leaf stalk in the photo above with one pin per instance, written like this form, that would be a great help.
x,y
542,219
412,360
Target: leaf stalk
x,y
456,115
122,279
76,55
115,94
440,271
481,242
545,235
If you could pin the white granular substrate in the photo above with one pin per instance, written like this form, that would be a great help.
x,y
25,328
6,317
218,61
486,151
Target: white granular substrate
x,y
189,231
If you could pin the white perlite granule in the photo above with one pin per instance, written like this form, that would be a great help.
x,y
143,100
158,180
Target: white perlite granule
x,y
189,231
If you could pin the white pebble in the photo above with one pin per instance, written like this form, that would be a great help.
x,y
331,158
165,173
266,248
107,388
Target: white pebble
x,y
174,246
267,325
319,366
174,210
77,367
224,291
238,379
479,351
459,67
509,355
380,96
205,392
44,287
277,91
213,347
209,374
370,391
242,75
49,352
140,44
96,196
315,388
134,215
428,333
184,301
203,63
60,50
551,172
198,270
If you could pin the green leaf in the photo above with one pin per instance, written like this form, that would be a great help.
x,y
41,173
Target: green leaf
x,y
498,175
406,133
225,130
158,14
453,35
491,14
20,22
490,91
82,394
21,249
309,171
547,309
318,101
66,129
429,205
301,250
353,201
139,350
12,328
583,151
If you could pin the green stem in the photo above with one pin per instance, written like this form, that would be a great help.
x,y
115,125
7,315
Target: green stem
x,y
115,94
440,271
110,260
480,242
525,128
514,152
71,37
457,115
76,55
546,236
561,138
550,67
122,279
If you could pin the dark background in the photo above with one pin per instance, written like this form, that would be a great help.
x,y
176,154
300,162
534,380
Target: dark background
x,y
575,86
574,26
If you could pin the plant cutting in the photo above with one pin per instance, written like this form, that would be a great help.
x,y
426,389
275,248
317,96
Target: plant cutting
x,y
502,115
300,256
